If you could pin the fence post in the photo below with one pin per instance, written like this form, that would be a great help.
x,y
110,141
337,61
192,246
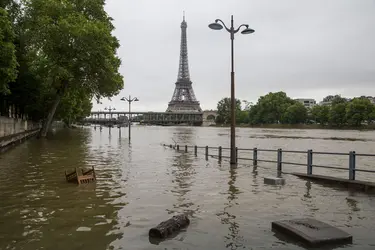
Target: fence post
x,y
352,165
195,150
178,147
236,154
220,152
186,148
170,145
309,161
279,160
255,156
206,153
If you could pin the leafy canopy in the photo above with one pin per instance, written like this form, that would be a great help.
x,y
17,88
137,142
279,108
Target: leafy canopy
x,y
8,60
74,45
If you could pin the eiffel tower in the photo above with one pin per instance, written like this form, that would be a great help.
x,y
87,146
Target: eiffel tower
x,y
183,99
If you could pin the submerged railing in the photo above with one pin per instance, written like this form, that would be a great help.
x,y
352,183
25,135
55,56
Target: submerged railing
x,y
352,157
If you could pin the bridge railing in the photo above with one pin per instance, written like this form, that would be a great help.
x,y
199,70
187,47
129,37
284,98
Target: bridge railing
x,y
278,156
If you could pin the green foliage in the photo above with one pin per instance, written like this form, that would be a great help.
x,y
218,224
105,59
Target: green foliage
x,y
337,115
320,114
75,52
276,108
270,108
224,111
74,106
8,60
75,45
295,114
337,100
359,110
66,55
243,117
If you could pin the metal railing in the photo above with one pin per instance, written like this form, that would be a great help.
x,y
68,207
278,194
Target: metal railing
x,y
352,157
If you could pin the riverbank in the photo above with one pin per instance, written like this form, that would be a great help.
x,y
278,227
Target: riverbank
x,y
7,142
299,126
14,131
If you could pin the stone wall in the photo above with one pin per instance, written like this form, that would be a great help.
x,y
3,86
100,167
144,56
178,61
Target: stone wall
x,y
13,126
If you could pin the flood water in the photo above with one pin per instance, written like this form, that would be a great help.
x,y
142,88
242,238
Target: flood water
x,y
142,183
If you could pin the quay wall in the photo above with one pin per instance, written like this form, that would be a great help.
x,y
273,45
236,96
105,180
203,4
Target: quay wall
x,y
15,130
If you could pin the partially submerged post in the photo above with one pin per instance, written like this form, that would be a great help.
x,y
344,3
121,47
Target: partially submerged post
x,y
255,157
279,161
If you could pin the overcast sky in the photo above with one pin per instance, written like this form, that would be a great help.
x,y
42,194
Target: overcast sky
x,y
308,49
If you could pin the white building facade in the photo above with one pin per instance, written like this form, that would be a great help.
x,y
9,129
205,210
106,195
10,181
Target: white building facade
x,y
308,103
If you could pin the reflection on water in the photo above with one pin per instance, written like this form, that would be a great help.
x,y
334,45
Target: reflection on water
x,y
140,184
183,174
233,240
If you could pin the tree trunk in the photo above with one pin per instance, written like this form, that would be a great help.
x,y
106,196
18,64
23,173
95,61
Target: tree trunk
x,y
170,226
51,113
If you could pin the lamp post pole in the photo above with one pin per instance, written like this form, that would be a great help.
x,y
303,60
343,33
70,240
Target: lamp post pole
x,y
110,111
217,26
130,100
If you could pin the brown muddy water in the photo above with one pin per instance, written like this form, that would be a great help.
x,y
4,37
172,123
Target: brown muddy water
x,y
143,183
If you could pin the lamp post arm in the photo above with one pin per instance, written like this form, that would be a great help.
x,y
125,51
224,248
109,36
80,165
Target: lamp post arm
x,y
242,25
219,20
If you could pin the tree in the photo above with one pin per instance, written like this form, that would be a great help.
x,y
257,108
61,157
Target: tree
x,y
372,115
248,105
337,100
337,115
320,114
74,107
243,117
359,110
224,110
324,115
75,48
270,108
295,114
8,60
334,99
315,113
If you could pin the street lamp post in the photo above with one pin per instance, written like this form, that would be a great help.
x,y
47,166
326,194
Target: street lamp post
x,y
217,26
110,110
130,100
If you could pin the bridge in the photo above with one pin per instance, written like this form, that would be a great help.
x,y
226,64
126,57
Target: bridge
x,y
204,118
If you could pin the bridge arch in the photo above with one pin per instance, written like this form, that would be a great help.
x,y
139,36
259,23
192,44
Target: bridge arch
x,y
211,117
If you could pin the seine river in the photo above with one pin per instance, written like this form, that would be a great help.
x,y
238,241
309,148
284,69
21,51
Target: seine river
x,y
142,183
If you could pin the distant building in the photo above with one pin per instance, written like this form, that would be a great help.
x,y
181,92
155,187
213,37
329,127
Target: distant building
x,y
328,99
371,98
308,103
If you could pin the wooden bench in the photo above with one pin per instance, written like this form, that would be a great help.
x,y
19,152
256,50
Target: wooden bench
x,y
86,176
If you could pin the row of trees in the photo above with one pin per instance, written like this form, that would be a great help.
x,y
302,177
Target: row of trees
x,y
278,108
55,57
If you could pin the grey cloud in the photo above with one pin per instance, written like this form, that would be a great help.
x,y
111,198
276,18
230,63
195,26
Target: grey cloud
x,y
305,48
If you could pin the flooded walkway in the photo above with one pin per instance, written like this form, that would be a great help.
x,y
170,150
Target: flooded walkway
x,y
142,183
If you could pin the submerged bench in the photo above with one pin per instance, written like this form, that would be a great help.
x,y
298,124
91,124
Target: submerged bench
x,y
85,177
312,232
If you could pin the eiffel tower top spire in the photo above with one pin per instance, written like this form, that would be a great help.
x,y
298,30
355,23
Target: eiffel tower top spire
x,y
183,70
